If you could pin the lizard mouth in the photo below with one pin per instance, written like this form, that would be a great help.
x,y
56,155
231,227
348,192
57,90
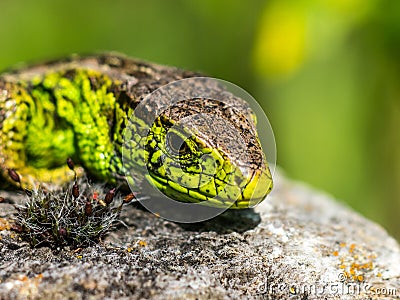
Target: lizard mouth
x,y
253,191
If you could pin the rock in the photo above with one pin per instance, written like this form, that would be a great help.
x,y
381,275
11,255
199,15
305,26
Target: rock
x,y
298,244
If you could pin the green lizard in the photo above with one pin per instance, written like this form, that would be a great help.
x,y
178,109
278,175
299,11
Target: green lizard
x,y
80,107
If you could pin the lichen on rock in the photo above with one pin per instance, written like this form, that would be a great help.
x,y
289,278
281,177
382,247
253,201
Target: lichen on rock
x,y
298,244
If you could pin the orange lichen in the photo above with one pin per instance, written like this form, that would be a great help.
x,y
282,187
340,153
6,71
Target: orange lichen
x,y
142,243
354,261
27,287
4,224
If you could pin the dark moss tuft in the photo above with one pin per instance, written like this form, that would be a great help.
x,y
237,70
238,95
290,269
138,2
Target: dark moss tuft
x,y
63,217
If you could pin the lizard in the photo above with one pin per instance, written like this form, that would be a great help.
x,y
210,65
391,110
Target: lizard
x,y
80,107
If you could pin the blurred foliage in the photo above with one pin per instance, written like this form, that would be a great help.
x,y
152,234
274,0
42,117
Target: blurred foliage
x,y
325,71
331,72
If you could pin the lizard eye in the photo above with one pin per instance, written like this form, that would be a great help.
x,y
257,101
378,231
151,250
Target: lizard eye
x,y
176,145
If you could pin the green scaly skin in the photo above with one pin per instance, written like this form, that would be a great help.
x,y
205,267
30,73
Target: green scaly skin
x,y
79,107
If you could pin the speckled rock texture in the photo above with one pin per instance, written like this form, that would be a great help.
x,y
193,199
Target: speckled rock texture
x,y
298,244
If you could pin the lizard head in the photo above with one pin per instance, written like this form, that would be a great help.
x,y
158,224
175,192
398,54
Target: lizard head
x,y
207,151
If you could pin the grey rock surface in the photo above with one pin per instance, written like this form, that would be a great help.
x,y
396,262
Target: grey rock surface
x,y
298,244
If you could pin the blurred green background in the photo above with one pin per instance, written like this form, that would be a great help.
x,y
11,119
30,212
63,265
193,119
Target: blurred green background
x,y
327,73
